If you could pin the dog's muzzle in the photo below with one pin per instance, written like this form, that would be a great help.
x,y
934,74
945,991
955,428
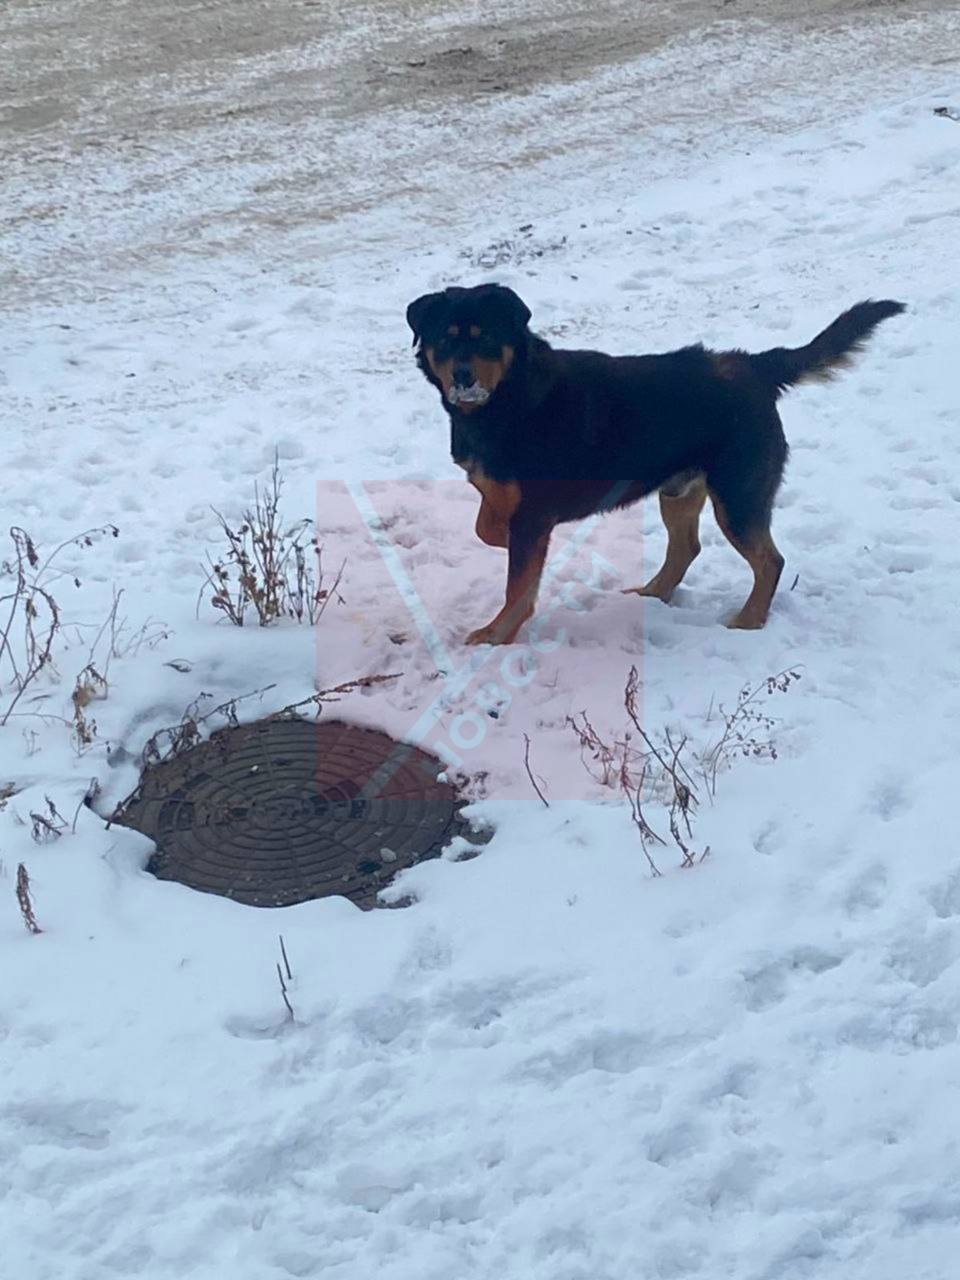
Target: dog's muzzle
x,y
474,394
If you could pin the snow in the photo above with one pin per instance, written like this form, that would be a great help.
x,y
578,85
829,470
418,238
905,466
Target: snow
x,y
553,1066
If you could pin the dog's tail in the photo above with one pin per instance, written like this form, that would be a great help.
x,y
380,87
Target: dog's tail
x,y
829,352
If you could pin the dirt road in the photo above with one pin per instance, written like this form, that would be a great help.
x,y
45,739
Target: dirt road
x,y
78,69
132,131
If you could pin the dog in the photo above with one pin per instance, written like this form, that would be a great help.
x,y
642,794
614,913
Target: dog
x,y
549,436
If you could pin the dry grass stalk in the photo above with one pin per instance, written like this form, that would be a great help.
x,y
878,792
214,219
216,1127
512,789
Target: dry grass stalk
x,y
25,901
30,617
747,730
47,826
196,724
275,572
660,770
633,790
122,641
674,775
90,685
533,781
605,762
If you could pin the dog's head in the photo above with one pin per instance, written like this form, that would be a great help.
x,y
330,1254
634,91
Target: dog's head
x,y
469,338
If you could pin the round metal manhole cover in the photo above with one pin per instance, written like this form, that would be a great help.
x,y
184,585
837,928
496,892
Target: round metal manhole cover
x,y
282,811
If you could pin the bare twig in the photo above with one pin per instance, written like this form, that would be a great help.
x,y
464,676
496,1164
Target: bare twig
x,y
283,992
292,711
121,644
173,740
86,801
47,826
286,962
194,724
603,761
533,781
634,793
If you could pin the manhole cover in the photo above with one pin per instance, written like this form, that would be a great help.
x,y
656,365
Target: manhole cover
x,y
281,811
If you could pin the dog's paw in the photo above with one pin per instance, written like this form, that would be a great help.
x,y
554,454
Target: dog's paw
x,y
484,635
745,621
652,590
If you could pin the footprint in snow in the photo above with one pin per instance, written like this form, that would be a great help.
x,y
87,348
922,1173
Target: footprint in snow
x,y
242,324
939,1208
907,561
430,952
945,897
770,984
299,1263
675,1143
826,533
613,1052
929,502
77,1123
372,1188
738,1080
922,960
269,1027
899,1030
765,840
867,893
889,799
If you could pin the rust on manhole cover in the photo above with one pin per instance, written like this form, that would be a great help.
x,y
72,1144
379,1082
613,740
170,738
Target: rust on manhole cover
x,y
282,811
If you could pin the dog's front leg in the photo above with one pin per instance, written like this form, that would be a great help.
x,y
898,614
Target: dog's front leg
x,y
529,539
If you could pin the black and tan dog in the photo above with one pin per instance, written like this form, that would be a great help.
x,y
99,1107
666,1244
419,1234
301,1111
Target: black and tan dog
x,y
549,436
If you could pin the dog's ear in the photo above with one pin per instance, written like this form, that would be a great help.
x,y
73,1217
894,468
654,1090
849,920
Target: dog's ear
x,y
510,304
418,312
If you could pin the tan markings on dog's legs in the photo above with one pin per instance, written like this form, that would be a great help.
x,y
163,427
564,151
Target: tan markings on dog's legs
x,y
523,581
490,528
500,501
681,515
761,554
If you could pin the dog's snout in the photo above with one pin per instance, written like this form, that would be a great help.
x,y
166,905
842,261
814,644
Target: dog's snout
x,y
463,374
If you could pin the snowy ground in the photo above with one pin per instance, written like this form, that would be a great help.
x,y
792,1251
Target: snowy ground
x,y
552,1067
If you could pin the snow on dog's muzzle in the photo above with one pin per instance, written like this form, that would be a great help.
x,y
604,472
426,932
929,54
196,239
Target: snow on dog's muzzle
x,y
474,394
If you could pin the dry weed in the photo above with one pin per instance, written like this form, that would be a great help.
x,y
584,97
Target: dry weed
x,y
273,571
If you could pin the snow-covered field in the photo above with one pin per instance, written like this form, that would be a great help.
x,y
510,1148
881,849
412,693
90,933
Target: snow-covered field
x,y
553,1066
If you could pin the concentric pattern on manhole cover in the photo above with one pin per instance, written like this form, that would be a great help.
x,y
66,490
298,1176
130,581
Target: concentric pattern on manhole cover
x,y
281,811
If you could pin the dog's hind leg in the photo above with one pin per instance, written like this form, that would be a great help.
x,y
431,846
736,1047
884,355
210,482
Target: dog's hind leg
x,y
760,552
680,507
742,484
